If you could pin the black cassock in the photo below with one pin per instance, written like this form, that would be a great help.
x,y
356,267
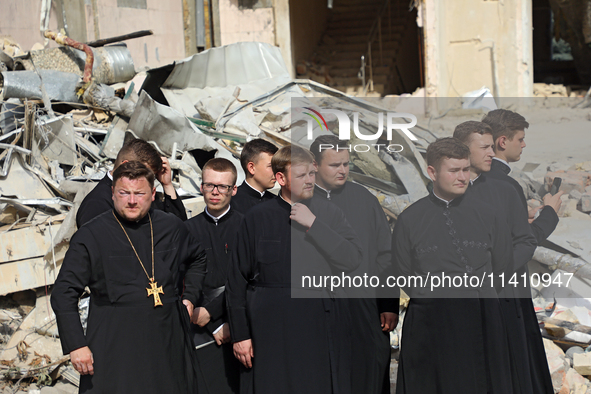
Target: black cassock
x,y
137,347
218,368
455,345
246,197
370,345
525,337
100,200
300,345
546,222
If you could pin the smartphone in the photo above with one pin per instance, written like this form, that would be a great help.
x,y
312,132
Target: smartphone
x,y
555,185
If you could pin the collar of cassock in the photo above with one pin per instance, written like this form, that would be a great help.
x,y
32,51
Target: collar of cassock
x,y
476,180
502,164
283,203
440,202
328,193
220,218
252,191
137,224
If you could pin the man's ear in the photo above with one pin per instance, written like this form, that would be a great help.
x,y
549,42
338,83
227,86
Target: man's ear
x,y
281,179
234,190
112,191
502,142
250,168
153,193
432,173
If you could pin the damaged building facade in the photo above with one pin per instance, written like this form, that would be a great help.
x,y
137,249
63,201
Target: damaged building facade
x,y
388,47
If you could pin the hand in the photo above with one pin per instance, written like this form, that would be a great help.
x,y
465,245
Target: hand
x,y
223,335
165,178
82,360
389,321
531,213
190,308
302,215
553,201
200,316
244,353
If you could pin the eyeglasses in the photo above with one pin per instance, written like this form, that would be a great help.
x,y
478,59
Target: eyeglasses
x,y
224,189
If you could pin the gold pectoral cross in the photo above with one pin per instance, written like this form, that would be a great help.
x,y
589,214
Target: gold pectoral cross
x,y
155,291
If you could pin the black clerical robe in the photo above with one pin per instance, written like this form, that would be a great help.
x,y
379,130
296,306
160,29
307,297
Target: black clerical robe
x,y
218,368
100,200
525,338
246,197
455,345
300,345
137,347
370,345
547,220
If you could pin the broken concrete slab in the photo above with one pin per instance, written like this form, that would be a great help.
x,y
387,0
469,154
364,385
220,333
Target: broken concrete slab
x,y
26,342
21,182
575,382
26,243
45,322
582,363
573,234
557,364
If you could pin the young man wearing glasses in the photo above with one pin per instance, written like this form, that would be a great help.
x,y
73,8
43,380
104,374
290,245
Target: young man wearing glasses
x,y
216,228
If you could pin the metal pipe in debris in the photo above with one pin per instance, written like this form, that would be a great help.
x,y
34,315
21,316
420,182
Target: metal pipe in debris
x,y
64,40
111,40
565,262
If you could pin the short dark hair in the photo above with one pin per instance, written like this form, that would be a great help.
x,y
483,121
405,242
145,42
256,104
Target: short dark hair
x,y
252,150
464,131
139,150
220,164
327,140
133,170
505,123
290,155
446,148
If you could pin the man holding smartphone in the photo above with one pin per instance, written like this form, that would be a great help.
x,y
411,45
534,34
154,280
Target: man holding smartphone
x,y
508,129
509,139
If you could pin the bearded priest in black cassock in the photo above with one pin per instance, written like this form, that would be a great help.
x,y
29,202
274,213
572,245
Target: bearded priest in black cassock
x,y
456,344
137,339
372,318
293,345
216,228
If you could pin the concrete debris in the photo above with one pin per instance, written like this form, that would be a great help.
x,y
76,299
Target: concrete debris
x,y
582,363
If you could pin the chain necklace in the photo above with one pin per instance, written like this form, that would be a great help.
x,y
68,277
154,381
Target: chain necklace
x,y
153,290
